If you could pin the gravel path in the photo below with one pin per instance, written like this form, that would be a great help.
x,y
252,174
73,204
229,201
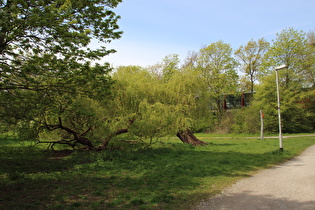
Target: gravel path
x,y
287,186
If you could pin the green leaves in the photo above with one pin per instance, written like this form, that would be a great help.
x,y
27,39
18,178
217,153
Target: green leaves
x,y
45,24
251,56
290,48
47,79
217,69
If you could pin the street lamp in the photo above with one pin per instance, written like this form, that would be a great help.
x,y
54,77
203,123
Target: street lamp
x,y
278,96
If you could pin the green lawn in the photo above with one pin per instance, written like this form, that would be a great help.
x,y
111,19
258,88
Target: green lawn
x,y
167,175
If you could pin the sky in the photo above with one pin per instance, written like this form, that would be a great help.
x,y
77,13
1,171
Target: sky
x,y
153,29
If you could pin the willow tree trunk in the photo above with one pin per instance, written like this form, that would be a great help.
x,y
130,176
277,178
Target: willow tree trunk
x,y
188,137
106,140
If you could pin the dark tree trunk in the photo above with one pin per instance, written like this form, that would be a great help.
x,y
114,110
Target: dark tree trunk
x,y
189,138
84,141
109,137
77,138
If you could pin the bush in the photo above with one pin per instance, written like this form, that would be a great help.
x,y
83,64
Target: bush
x,y
246,120
225,124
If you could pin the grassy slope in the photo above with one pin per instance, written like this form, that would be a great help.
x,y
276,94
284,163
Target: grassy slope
x,y
168,175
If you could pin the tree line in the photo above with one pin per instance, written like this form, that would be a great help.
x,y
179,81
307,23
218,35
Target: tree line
x,y
207,77
51,92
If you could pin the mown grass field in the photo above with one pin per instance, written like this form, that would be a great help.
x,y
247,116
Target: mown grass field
x,y
167,175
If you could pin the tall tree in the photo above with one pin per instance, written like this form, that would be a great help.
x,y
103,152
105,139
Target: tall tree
x,y
216,67
45,63
289,48
309,62
250,57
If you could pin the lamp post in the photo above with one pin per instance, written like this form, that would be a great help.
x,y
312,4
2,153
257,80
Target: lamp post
x,y
278,96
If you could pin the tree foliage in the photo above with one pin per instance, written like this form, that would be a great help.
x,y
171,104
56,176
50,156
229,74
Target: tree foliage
x,y
296,91
45,61
290,48
217,69
251,56
38,36
158,107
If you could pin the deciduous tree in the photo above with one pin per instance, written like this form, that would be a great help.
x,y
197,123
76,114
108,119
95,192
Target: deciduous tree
x,y
250,57
217,69
289,48
45,64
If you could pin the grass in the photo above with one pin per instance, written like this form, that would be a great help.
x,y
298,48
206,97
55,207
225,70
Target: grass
x,y
167,175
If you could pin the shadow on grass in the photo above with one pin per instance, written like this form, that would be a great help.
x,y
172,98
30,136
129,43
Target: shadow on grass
x,y
32,162
151,178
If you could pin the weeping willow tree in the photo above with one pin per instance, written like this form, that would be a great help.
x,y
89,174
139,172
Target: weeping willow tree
x,y
149,106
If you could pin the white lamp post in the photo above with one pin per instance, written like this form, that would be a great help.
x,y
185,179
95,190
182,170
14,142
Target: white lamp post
x,y
278,96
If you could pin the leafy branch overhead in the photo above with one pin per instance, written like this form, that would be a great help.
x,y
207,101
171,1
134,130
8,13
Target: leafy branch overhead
x,y
57,26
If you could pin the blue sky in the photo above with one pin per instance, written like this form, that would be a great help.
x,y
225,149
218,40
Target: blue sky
x,y
156,28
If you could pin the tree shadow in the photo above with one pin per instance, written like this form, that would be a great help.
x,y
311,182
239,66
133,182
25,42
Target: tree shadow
x,y
34,162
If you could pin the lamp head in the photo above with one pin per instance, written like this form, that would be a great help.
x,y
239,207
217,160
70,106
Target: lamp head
x,y
281,67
